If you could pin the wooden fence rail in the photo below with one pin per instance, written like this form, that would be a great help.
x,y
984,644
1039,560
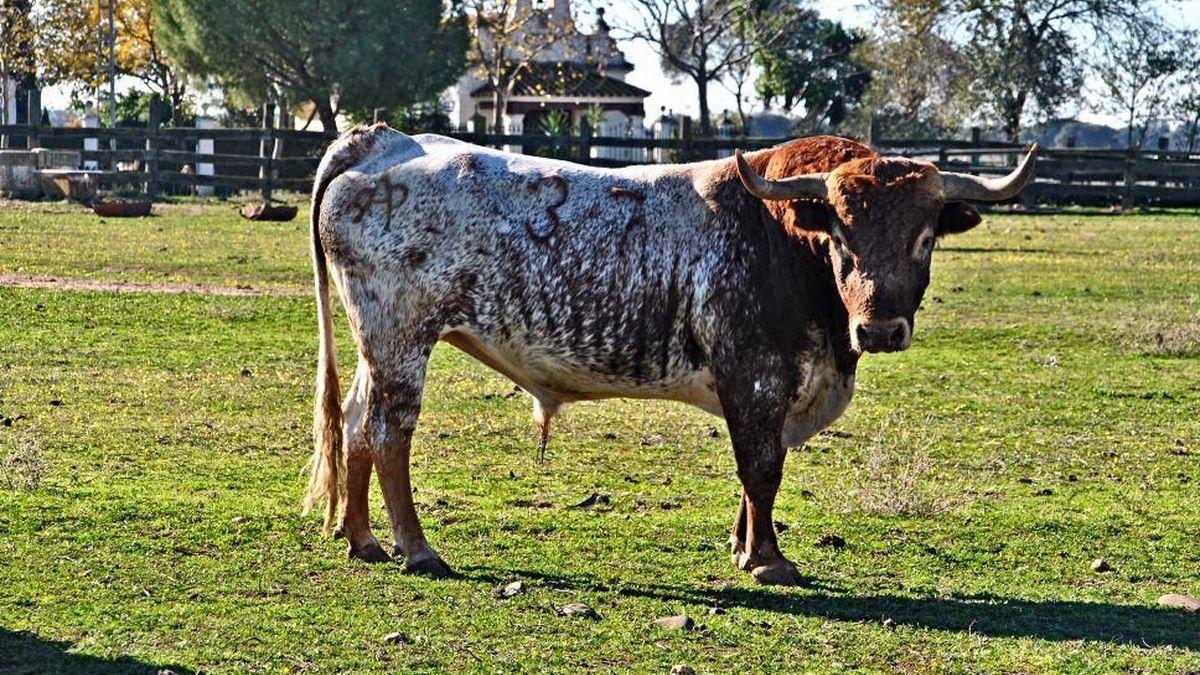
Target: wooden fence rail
x,y
264,160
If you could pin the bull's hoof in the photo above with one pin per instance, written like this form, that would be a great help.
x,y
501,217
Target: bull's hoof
x,y
778,573
371,552
429,564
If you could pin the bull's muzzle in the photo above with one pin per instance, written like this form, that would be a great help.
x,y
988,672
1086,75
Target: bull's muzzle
x,y
880,335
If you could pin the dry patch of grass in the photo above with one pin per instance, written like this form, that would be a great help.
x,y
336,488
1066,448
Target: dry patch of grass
x,y
22,468
1180,339
893,475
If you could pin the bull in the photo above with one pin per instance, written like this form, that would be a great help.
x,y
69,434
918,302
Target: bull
x,y
748,287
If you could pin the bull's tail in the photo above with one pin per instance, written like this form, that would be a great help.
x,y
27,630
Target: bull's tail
x,y
326,479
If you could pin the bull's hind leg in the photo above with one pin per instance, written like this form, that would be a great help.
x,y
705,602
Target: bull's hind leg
x,y
393,405
355,524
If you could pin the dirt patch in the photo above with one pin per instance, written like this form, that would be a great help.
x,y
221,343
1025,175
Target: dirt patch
x,y
110,286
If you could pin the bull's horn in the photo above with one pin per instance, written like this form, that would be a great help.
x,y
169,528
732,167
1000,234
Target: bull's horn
x,y
809,185
964,187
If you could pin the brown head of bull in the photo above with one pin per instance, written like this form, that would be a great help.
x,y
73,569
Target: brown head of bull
x,y
884,215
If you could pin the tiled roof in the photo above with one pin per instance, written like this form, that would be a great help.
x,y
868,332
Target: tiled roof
x,y
567,79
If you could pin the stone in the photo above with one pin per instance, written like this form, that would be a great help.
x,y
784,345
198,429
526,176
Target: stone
x,y
1177,601
1101,565
396,638
683,670
511,589
578,609
677,622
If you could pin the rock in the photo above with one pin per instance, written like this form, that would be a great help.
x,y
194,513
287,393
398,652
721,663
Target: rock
x,y
246,372
239,519
683,670
1177,601
596,499
512,589
830,541
889,622
1101,565
714,611
578,609
396,638
677,622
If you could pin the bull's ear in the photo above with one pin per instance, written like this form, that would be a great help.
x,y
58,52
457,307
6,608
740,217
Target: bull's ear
x,y
957,217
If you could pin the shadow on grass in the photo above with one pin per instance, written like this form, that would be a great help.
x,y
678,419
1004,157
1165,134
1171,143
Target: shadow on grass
x,y
983,615
22,652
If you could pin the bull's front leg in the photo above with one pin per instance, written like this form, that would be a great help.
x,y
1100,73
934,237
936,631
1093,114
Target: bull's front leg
x,y
755,409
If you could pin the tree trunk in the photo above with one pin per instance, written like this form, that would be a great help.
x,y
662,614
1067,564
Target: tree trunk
x,y
1012,118
702,91
325,114
497,111
1012,126
741,109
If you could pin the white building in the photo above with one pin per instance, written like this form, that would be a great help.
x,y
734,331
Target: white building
x,y
578,73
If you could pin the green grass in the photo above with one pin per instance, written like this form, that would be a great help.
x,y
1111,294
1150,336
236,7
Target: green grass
x,y
165,531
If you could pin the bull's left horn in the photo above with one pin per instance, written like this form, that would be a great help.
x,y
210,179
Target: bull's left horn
x,y
807,186
964,187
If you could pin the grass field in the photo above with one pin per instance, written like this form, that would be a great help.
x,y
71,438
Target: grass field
x,y
1048,414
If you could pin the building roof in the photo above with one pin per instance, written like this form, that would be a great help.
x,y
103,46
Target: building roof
x,y
566,79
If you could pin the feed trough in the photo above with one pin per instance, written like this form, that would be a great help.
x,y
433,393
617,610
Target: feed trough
x,y
271,212
122,208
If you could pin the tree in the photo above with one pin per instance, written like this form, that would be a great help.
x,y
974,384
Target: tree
x,y
507,38
140,54
1137,70
352,55
1022,54
920,83
705,40
814,64
1186,104
16,51
68,44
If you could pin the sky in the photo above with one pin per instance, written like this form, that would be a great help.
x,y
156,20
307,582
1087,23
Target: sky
x,y
681,97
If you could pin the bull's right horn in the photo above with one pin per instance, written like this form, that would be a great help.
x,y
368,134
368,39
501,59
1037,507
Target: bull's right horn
x,y
806,186
965,187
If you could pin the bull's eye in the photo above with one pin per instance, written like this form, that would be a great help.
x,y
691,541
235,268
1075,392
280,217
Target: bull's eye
x,y
924,246
839,241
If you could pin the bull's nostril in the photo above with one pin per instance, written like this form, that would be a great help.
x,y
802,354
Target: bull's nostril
x,y
864,337
897,336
